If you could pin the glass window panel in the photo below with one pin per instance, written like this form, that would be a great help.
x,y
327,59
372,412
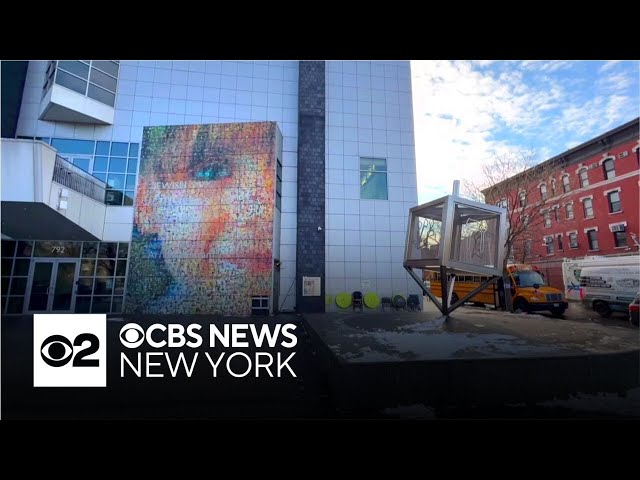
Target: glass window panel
x,y
102,148
373,164
133,149
131,182
106,66
18,286
85,286
83,163
118,286
116,306
100,164
7,265
119,149
113,197
108,250
102,80
373,185
8,248
105,268
5,285
103,286
101,95
24,249
83,304
54,248
101,176
132,167
74,66
66,146
117,165
101,305
21,268
89,249
128,198
121,268
123,250
115,180
87,267
14,304
71,82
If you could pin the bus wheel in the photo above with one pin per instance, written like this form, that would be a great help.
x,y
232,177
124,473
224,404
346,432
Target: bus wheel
x,y
520,304
602,309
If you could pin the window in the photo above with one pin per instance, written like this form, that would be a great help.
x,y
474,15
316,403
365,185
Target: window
x,y
549,244
620,239
587,205
115,163
609,169
96,79
573,240
566,185
614,202
527,247
584,177
553,186
278,185
526,220
555,214
592,237
569,210
522,199
373,178
560,245
543,191
547,219
502,203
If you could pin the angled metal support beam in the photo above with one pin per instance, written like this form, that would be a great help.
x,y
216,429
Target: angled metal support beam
x,y
426,291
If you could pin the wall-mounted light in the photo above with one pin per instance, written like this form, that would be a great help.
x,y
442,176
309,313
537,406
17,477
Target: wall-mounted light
x,y
319,228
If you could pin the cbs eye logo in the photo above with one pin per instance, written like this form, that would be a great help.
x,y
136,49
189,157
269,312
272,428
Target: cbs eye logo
x,y
57,350
132,335
65,345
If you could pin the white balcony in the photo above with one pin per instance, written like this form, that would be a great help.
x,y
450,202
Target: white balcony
x,y
63,105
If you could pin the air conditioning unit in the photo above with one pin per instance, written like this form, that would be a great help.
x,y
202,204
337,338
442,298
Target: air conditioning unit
x,y
623,154
618,228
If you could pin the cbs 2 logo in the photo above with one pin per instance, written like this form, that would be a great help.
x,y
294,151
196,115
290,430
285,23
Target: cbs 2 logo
x,y
57,351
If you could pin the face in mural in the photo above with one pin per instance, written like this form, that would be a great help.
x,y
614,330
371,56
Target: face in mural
x,y
203,226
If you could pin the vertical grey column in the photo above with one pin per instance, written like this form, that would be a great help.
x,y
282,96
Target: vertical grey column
x,y
310,240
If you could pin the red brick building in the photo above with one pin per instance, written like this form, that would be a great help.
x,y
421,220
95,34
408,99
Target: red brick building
x,y
589,200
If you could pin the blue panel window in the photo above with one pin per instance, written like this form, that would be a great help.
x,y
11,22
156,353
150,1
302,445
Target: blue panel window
x,y
373,178
131,182
133,150
132,167
64,145
119,149
102,148
115,181
100,164
117,165
83,163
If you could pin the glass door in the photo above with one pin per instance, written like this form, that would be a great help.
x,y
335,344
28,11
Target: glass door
x,y
41,280
53,285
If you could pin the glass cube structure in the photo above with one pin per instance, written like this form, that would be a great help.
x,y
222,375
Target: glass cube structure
x,y
460,234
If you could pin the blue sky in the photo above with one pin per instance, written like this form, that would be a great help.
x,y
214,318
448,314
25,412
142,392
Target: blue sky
x,y
465,112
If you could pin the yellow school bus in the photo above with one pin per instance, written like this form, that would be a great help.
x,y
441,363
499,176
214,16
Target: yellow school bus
x,y
529,290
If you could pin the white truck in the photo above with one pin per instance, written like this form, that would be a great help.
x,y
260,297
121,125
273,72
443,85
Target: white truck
x,y
572,269
606,289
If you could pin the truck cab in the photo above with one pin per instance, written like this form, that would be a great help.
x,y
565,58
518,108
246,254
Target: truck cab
x,y
531,292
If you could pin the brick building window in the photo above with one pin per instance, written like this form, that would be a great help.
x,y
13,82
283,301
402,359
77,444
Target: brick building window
x,y
584,178
522,197
553,186
543,191
527,247
620,238
560,245
587,205
573,240
566,185
609,169
547,219
614,202
592,237
569,210
549,244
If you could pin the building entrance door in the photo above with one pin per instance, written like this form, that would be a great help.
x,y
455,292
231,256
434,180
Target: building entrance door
x,y
52,285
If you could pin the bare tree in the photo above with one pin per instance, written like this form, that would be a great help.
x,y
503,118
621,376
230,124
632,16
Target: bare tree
x,y
528,191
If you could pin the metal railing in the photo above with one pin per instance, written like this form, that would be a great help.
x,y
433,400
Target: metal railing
x,y
69,175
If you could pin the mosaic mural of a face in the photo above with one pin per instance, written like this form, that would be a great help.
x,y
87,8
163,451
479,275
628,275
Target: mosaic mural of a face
x,y
203,226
